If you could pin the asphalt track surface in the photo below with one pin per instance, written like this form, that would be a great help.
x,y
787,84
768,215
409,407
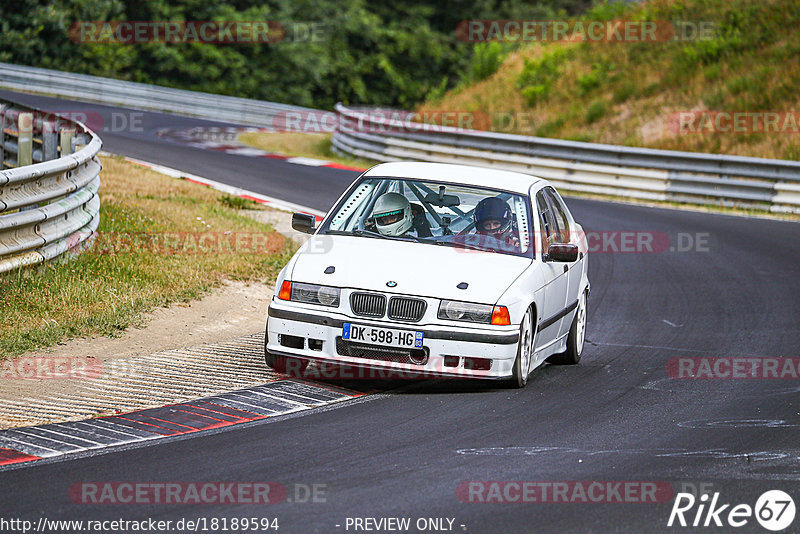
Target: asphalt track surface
x,y
617,416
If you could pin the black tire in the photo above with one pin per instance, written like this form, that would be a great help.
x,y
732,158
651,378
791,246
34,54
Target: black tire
x,y
519,376
572,355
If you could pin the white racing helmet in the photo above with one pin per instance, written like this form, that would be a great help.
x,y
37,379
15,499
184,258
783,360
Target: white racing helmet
x,y
392,214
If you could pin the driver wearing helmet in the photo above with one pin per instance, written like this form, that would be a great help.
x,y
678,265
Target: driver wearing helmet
x,y
392,214
493,217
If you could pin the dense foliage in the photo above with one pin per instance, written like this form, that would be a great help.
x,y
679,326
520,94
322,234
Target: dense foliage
x,y
388,53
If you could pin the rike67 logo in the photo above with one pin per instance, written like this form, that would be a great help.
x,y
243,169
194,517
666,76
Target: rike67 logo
x,y
774,510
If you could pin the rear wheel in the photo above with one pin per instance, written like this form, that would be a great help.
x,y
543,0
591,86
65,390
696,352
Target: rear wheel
x,y
575,339
522,363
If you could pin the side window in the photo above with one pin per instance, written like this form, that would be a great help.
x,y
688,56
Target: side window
x,y
559,214
546,220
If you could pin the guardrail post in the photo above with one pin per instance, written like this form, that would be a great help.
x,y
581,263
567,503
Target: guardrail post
x,y
24,139
2,135
66,141
49,140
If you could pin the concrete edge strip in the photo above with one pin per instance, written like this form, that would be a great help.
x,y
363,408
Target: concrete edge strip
x,y
28,444
219,140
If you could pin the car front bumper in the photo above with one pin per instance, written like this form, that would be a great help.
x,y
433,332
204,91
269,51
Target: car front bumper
x,y
442,344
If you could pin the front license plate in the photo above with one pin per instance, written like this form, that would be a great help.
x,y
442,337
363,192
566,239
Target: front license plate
x,y
382,336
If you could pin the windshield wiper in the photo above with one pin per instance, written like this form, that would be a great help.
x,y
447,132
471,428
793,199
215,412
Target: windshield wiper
x,y
370,233
465,245
337,232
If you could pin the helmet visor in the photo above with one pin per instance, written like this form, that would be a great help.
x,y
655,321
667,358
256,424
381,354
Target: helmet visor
x,y
391,217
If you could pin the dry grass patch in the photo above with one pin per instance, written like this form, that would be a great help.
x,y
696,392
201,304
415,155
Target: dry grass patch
x,y
160,241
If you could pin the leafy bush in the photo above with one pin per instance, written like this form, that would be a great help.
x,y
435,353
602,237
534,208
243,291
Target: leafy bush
x,y
537,76
623,93
486,60
595,78
595,111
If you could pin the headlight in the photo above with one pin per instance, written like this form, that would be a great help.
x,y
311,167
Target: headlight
x,y
465,311
474,313
310,293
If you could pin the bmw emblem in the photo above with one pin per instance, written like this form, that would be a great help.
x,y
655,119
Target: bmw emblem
x,y
391,283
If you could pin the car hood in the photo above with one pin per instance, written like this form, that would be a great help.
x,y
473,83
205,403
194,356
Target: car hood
x,y
417,268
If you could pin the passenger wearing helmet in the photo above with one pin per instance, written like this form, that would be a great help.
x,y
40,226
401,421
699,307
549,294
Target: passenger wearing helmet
x,y
493,217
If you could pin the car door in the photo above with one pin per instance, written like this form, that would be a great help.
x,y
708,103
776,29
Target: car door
x,y
555,276
573,269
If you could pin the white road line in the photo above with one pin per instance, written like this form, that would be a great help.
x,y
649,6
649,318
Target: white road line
x,y
36,436
31,445
51,431
311,162
277,397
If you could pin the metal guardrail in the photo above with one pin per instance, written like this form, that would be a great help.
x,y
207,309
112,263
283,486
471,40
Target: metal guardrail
x,y
48,191
143,96
642,173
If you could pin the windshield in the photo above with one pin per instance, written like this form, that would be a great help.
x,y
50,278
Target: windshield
x,y
435,213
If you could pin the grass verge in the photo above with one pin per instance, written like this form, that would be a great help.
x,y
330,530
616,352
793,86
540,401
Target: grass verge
x,y
309,145
160,241
634,93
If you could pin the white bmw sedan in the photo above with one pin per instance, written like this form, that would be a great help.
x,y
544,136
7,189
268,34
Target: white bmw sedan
x,y
435,270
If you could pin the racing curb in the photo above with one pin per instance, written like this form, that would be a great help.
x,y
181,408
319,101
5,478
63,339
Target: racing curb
x,y
225,139
281,397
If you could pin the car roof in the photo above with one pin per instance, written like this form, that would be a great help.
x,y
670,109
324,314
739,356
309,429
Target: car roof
x,y
456,174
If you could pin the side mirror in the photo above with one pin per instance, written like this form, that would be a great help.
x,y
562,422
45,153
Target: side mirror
x,y
566,252
303,222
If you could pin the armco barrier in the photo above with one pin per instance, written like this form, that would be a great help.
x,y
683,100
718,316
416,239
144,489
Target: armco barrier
x,y
642,173
133,95
48,191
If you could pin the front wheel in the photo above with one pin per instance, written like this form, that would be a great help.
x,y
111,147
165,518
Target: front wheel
x,y
575,339
522,363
